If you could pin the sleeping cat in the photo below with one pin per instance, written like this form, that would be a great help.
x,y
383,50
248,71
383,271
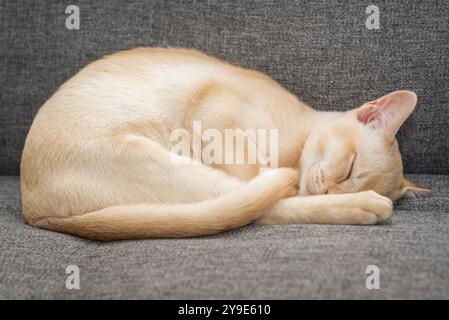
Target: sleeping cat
x,y
97,160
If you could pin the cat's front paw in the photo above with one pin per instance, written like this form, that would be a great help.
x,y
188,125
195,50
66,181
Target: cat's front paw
x,y
369,207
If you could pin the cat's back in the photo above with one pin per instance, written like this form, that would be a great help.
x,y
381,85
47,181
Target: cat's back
x,y
144,82
139,80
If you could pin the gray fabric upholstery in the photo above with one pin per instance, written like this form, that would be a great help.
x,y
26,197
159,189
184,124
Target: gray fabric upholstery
x,y
272,262
319,50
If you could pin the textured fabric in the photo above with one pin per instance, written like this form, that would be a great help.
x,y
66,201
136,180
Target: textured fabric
x,y
268,262
319,50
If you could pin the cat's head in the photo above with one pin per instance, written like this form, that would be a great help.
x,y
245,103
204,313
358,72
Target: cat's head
x,y
357,150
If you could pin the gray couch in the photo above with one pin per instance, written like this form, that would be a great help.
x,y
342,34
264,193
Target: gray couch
x,y
321,51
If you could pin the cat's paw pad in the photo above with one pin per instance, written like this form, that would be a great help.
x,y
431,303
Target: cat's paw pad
x,y
376,207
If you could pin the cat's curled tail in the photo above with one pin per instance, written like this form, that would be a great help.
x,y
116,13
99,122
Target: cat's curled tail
x,y
235,209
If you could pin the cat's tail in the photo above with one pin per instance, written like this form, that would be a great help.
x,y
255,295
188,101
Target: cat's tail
x,y
235,209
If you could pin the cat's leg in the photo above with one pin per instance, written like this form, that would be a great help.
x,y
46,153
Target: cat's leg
x,y
167,177
161,176
366,207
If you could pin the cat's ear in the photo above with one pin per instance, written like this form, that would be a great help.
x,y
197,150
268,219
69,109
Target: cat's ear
x,y
409,189
389,112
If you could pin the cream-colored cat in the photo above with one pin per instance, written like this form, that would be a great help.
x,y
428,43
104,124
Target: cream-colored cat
x,y
97,160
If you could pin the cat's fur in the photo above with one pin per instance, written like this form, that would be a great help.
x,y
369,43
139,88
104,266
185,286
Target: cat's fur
x,y
96,161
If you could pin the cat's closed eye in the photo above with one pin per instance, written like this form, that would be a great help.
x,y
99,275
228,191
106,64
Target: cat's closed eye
x,y
350,167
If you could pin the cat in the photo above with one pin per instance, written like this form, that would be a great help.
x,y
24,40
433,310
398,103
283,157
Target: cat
x,y
97,160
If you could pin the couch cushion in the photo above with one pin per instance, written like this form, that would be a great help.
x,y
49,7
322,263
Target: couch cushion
x,y
320,51
266,262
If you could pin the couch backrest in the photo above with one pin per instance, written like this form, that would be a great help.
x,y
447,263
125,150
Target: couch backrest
x,y
320,50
